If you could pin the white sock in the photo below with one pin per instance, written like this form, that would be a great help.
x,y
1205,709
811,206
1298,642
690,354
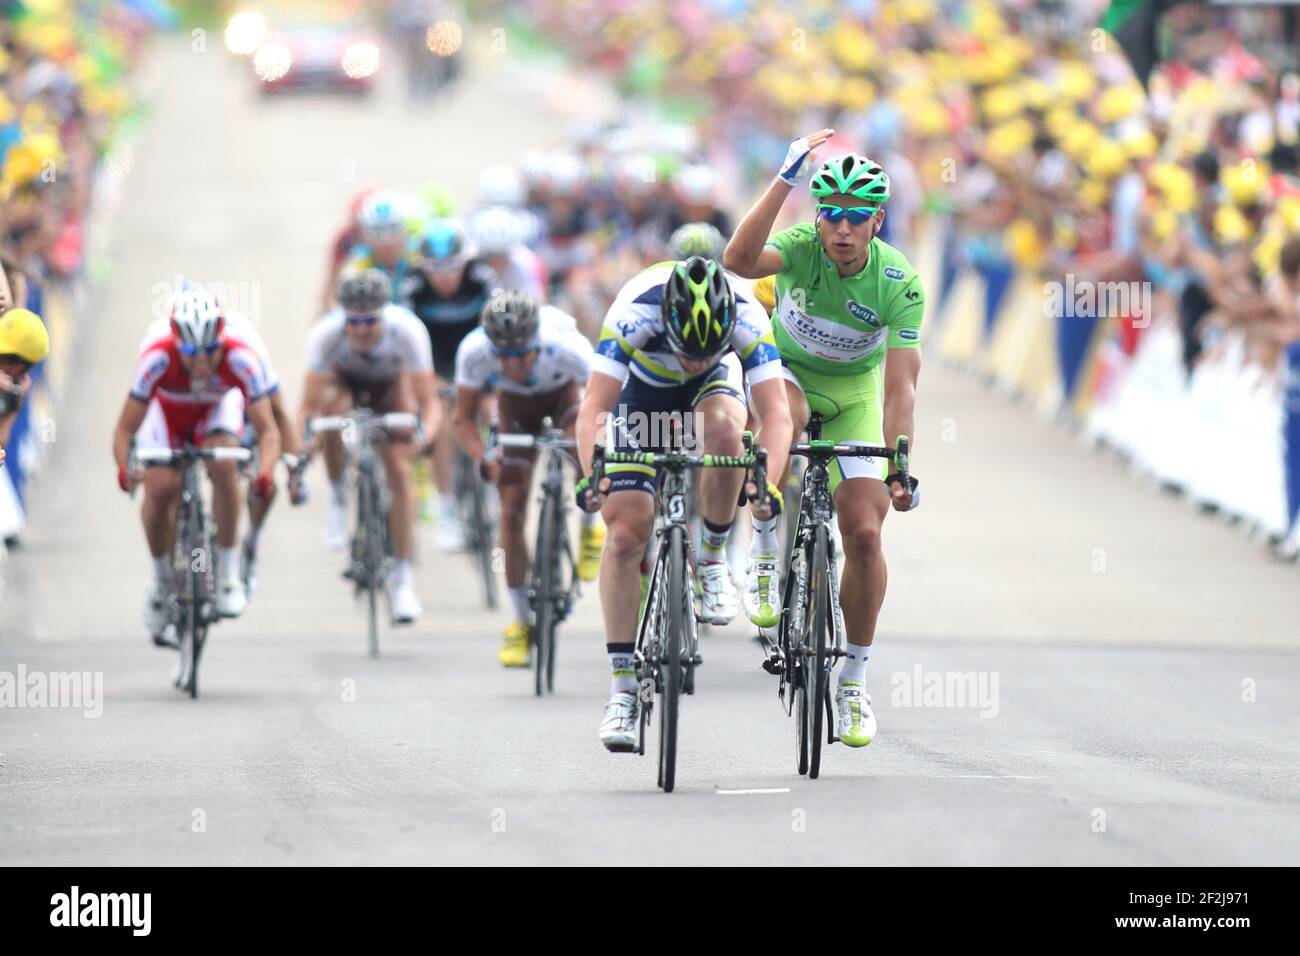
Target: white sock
x,y
765,540
588,519
401,571
447,507
713,542
624,673
855,664
162,572
519,598
228,564
340,492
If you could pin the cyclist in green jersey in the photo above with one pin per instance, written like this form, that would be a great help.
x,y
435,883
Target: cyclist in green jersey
x,y
847,324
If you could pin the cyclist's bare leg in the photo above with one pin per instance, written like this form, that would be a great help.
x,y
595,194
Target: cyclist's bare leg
x,y
401,516
444,449
225,490
719,420
162,492
862,504
629,520
513,486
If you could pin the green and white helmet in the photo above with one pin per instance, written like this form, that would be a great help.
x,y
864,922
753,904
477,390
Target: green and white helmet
x,y
851,175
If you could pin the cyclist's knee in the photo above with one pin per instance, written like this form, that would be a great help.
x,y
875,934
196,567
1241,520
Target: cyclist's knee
x,y
720,430
861,537
625,536
162,483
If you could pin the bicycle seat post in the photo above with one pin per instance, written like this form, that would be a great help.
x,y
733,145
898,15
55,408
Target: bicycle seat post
x,y
815,427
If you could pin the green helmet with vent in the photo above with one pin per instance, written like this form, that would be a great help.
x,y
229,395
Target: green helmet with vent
x,y
699,308
851,175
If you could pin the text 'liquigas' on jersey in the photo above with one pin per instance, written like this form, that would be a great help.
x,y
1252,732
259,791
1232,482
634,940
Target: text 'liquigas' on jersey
x,y
841,325
633,337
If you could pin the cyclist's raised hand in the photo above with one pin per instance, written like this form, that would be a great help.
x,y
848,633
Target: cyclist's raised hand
x,y
798,160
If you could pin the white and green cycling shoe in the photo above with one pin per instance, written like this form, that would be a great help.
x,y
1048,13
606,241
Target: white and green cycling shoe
x,y
763,590
857,722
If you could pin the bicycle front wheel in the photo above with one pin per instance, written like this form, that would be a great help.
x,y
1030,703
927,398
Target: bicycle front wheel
x,y
369,516
670,667
481,532
817,678
543,598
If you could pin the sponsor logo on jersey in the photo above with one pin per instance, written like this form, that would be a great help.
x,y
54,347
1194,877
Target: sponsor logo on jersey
x,y
909,335
911,295
893,272
863,313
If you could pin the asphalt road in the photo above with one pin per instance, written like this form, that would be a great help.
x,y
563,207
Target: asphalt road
x,y
1139,666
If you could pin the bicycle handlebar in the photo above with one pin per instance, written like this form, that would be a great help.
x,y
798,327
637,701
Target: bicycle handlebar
x,y
168,456
391,421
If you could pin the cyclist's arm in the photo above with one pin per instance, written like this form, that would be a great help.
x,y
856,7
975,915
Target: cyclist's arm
x,y
128,423
747,254
426,400
776,429
290,437
465,422
902,366
313,394
601,396
268,436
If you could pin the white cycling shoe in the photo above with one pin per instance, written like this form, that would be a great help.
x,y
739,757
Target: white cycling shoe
x,y
403,603
763,590
232,598
720,600
857,723
618,730
157,620
449,534
336,526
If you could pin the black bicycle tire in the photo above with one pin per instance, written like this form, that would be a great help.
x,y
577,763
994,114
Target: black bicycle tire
x,y
543,600
559,551
366,503
818,615
671,666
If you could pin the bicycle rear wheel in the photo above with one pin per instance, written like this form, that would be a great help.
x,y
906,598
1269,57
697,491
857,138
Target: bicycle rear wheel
x,y
670,669
819,621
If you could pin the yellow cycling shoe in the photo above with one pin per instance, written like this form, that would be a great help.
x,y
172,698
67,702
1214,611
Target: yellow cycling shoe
x,y
589,551
514,649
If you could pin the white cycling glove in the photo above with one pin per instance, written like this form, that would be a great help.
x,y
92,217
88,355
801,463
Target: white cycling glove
x,y
796,166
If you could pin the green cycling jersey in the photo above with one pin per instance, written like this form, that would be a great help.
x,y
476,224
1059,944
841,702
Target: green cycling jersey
x,y
829,324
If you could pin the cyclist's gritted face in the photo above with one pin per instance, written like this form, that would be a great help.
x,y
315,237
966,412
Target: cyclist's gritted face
x,y
201,364
846,226
517,363
363,331
697,366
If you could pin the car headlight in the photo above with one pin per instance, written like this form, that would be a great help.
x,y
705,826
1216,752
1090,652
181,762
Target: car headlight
x,y
245,32
272,62
361,60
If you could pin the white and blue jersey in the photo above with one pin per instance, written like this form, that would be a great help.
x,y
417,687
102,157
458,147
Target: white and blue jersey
x,y
633,340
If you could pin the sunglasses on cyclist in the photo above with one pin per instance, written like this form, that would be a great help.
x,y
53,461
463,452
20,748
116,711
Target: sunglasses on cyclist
x,y
856,214
517,352
362,320
191,350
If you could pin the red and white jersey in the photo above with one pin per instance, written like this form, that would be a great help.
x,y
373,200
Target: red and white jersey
x,y
159,374
236,327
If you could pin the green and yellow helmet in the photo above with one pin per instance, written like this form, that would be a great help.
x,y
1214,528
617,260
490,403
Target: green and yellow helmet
x,y
851,175
699,308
